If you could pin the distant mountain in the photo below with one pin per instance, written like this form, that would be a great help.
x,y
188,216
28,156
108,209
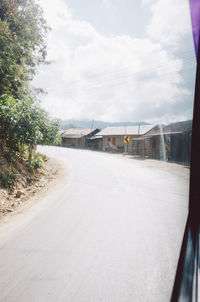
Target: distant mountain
x,y
66,124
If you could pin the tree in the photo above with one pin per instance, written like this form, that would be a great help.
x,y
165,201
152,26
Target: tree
x,y
23,123
23,32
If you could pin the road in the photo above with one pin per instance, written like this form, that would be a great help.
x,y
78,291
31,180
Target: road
x,y
109,231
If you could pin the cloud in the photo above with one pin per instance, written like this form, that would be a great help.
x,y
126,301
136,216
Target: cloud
x,y
170,21
113,78
107,3
144,2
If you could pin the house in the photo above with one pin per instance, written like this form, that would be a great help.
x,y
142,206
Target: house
x,y
112,138
168,142
179,140
95,142
77,137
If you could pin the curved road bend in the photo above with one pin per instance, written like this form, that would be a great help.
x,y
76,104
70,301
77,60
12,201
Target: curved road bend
x,y
110,231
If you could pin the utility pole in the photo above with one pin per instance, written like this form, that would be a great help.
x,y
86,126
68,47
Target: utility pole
x,y
92,125
125,144
138,135
139,129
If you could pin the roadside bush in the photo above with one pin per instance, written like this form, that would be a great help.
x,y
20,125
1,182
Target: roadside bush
x,y
37,162
23,125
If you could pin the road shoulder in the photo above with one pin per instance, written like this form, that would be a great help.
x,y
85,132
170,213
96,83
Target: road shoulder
x,y
11,204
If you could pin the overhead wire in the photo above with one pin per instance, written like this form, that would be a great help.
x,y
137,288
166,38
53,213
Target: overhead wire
x,y
120,76
117,81
184,56
122,71
89,89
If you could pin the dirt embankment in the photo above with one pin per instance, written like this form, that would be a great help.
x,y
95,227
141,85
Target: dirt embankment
x,y
25,183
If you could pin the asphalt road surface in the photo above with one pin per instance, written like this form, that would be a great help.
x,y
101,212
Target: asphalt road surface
x,y
109,231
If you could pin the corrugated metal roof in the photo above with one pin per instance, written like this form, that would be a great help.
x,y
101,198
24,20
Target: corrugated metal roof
x,y
77,132
96,136
173,128
184,126
129,130
143,137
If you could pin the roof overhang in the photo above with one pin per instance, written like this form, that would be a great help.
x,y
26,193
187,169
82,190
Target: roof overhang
x,y
143,137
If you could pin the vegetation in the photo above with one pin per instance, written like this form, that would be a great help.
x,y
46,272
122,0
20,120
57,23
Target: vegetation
x,y
23,124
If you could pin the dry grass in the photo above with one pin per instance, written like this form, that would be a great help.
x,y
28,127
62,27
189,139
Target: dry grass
x,y
19,183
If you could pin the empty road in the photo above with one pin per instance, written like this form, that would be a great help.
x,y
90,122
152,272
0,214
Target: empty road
x,y
109,231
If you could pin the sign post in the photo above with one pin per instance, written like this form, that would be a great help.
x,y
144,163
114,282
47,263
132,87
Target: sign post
x,y
126,141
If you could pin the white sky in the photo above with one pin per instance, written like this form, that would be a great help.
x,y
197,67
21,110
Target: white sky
x,y
118,60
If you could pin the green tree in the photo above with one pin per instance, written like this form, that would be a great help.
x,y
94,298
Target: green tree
x,y
23,32
23,123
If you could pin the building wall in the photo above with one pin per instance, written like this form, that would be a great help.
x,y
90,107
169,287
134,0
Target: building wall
x,y
94,144
81,142
69,142
153,147
115,143
180,147
73,142
173,147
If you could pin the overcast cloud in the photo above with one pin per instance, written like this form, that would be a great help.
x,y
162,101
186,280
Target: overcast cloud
x,y
119,77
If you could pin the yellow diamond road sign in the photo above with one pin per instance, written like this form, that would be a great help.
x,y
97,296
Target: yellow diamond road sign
x,y
126,139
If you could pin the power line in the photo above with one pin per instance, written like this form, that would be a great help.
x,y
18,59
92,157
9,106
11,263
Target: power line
x,y
122,75
123,71
86,88
159,72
